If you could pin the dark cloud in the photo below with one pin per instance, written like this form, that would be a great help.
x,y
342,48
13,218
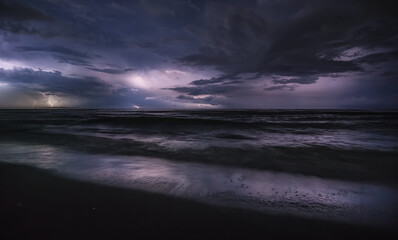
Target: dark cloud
x,y
16,18
298,39
280,87
390,56
111,70
156,7
17,27
54,82
390,73
206,81
30,86
215,80
239,49
72,60
53,49
12,10
203,100
205,90
62,55
298,80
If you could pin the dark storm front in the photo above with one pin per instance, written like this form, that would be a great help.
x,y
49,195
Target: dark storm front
x,y
352,145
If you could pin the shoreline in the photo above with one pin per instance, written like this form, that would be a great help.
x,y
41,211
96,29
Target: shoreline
x,y
36,203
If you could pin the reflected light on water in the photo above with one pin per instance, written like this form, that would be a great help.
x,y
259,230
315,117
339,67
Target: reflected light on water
x,y
260,190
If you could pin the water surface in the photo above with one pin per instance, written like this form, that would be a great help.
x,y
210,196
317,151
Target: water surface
x,y
336,165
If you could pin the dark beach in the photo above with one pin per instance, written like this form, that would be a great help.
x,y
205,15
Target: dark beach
x,y
37,204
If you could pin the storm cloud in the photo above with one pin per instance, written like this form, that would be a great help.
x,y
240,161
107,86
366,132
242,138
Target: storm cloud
x,y
79,91
233,54
291,38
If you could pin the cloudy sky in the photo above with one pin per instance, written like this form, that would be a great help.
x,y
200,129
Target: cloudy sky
x,y
198,54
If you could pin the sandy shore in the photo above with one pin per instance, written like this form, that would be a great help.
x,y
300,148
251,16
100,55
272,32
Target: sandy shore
x,y
36,204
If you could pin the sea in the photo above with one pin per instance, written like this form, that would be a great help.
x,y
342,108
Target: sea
x,y
339,165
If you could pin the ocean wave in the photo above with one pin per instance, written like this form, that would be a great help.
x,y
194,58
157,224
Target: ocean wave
x,y
357,143
325,161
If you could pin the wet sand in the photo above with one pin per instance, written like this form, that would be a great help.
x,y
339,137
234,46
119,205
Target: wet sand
x,y
37,204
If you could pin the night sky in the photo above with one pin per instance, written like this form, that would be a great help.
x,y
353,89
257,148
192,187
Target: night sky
x,y
198,54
